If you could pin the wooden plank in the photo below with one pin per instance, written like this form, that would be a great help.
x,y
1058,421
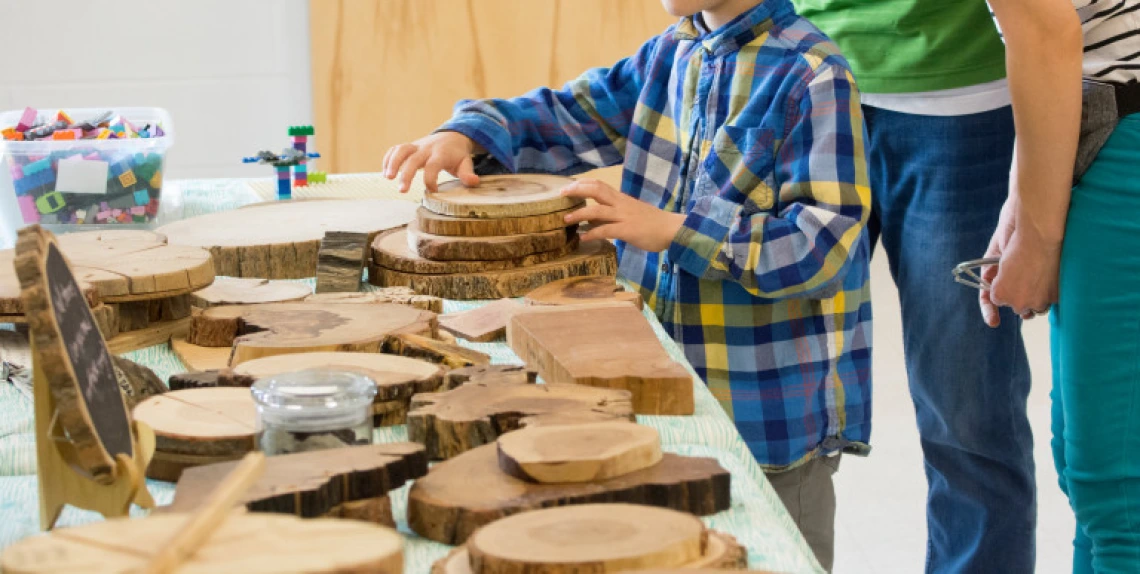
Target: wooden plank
x,y
481,324
605,345
578,453
156,334
392,250
579,290
340,261
497,248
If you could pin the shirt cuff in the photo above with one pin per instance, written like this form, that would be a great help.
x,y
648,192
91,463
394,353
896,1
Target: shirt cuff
x,y
486,132
703,235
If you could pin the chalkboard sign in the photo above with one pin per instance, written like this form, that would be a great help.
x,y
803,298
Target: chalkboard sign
x,y
87,353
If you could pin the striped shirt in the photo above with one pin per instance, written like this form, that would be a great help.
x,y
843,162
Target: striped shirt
x,y
754,131
1112,39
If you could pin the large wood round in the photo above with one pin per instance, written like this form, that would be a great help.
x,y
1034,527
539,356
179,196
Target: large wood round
x,y
255,543
392,250
127,265
580,290
499,196
218,422
11,305
499,248
395,377
281,240
237,291
460,495
434,223
578,453
590,258
256,331
588,539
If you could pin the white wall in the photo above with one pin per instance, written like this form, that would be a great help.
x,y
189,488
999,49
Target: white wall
x,y
234,74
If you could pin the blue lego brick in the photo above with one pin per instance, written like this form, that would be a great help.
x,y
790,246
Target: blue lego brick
x,y
142,197
37,166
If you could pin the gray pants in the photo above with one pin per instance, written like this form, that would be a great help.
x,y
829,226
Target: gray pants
x,y
808,493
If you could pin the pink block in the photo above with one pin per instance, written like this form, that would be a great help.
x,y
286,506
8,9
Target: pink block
x,y
26,120
138,210
28,209
102,215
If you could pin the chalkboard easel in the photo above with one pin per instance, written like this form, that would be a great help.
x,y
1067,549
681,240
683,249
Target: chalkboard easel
x,y
89,453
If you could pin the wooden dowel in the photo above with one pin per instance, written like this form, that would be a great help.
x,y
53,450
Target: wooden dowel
x,y
205,522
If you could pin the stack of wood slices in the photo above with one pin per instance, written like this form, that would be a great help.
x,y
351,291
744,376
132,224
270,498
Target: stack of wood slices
x,y
503,238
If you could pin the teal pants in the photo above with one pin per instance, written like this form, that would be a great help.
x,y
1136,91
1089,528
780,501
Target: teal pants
x,y
1096,359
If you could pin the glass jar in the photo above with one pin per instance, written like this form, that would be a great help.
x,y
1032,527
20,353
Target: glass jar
x,y
315,409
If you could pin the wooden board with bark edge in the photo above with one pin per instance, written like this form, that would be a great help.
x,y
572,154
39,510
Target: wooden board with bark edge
x,y
579,290
340,261
311,484
131,265
608,345
238,291
578,453
391,250
500,196
589,537
395,377
498,248
256,331
250,543
280,240
219,422
591,258
460,495
450,355
481,324
475,414
436,224
396,295
491,374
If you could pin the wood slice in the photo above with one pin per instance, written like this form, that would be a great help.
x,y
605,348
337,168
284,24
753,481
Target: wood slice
x,y
254,543
136,382
490,374
578,453
433,350
219,422
375,510
11,306
586,539
311,484
481,324
237,291
157,334
257,331
169,467
392,250
395,377
502,196
197,358
126,265
475,414
280,240
340,261
603,345
591,258
578,290
460,495
396,295
138,315
436,224
495,248
194,380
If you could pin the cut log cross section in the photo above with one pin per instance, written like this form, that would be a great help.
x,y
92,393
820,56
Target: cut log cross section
x,y
578,453
340,261
504,247
502,196
392,251
237,291
430,222
580,290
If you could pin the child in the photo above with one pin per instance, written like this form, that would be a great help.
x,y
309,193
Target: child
x,y
741,217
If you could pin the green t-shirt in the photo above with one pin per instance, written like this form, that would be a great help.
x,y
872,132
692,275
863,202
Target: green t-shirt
x,y
901,46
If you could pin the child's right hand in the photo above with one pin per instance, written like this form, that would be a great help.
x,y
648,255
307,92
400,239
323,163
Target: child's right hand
x,y
447,151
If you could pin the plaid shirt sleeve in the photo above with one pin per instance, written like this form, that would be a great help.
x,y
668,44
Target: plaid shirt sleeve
x,y
802,247
580,127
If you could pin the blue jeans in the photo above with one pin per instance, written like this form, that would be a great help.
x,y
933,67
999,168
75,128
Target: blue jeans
x,y
938,185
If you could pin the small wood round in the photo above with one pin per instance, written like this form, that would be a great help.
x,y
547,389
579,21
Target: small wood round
x,y
499,248
578,453
251,543
590,258
280,240
501,196
135,265
197,358
591,538
237,291
579,290
395,377
211,422
392,250
436,224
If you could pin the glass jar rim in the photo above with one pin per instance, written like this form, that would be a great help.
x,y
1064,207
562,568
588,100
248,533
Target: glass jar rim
x,y
314,391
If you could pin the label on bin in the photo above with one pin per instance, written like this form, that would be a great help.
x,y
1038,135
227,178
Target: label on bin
x,y
81,176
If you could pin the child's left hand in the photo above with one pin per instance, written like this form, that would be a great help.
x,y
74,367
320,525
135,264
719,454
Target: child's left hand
x,y
619,216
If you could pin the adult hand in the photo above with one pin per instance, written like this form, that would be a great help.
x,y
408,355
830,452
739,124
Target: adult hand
x,y
619,216
1027,278
441,151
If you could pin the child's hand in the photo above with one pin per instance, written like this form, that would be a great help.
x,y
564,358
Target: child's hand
x,y
447,151
619,216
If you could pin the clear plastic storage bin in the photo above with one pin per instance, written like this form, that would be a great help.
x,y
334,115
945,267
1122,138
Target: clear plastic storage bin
x,y
72,185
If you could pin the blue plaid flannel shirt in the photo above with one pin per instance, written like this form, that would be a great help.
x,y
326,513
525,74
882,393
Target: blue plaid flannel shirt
x,y
754,131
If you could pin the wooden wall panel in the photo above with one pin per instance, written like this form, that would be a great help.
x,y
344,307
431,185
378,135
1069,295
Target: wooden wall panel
x,y
389,71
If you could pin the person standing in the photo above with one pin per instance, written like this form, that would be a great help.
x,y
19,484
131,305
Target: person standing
x,y
941,141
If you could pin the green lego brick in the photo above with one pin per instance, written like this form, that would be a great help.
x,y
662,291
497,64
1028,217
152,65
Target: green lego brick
x,y
318,177
301,130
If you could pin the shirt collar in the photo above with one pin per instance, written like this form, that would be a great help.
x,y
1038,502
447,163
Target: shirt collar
x,y
735,34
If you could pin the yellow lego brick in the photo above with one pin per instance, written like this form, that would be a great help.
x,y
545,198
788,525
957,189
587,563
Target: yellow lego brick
x,y
128,178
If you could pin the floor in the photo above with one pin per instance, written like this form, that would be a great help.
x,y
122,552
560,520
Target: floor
x,y
881,523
